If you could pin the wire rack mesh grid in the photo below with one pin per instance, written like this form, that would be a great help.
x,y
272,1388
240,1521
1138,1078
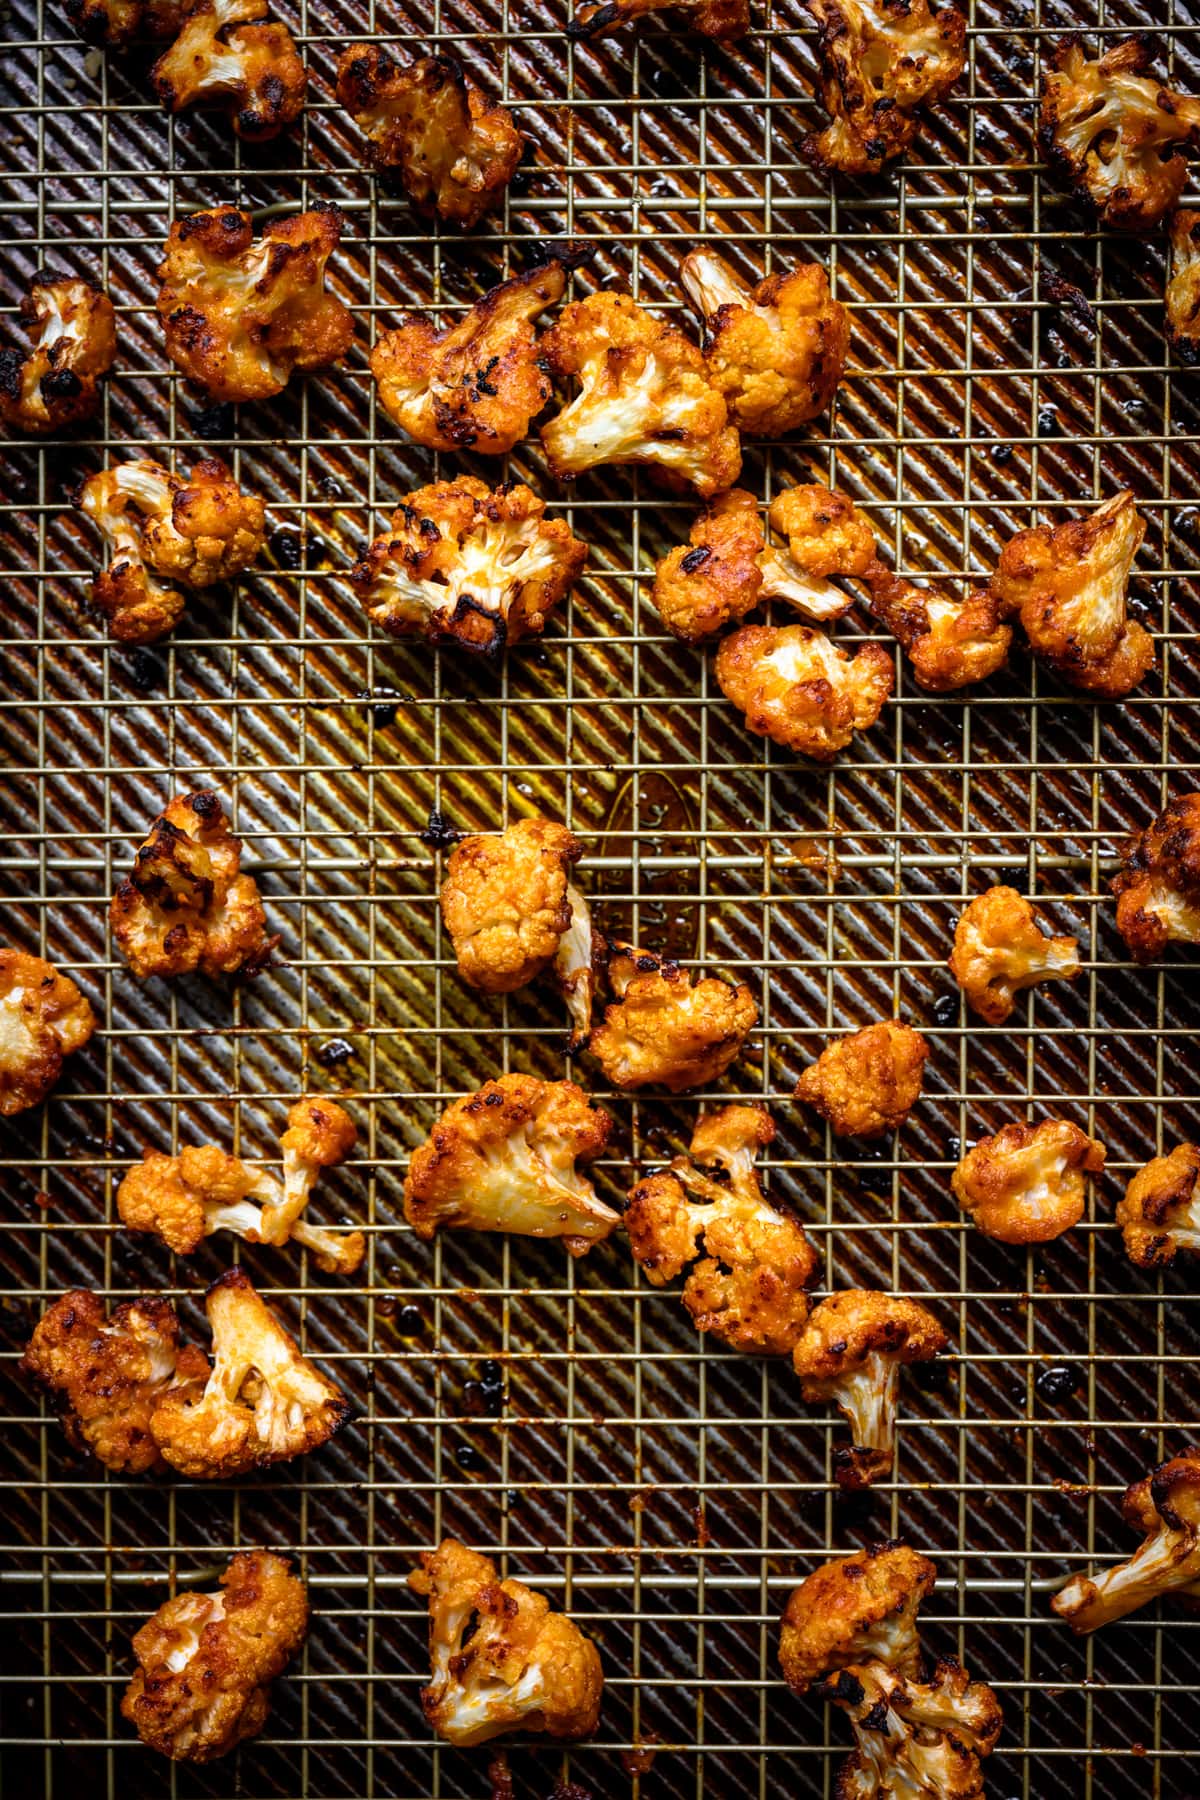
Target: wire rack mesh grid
x,y
565,1415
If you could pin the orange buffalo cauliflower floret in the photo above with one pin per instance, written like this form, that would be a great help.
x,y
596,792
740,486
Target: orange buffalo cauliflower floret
x,y
114,23
164,534
226,56
108,1377
43,1019
851,1352
749,1287
507,903
184,1199
1114,135
1183,286
56,382
1165,1509
263,1401
242,315
1028,1183
645,398
501,1659
797,687
206,1661
950,644
1158,889
186,906
719,19
1069,584
880,61
668,1030
868,1083
430,128
776,351
468,565
474,384
1159,1214
503,1159
999,948
860,1609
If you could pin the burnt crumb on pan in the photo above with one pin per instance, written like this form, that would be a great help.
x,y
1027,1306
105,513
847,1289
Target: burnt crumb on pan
x,y
333,1053
438,833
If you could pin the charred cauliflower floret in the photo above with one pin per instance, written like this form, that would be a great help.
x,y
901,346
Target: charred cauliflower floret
x,y
999,948
645,398
476,384
667,1030
206,1661
851,1352
860,1609
1183,286
468,565
184,1199
1159,1213
501,1659
797,687
880,61
226,57
164,534
263,1402
1158,889
826,536
114,23
1165,1508
186,906
1114,135
950,644
868,1083
720,19
920,1739
73,340
43,1019
775,352
431,129
504,1159
243,315
1069,584
108,1376
1028,1183
505,902
749,1286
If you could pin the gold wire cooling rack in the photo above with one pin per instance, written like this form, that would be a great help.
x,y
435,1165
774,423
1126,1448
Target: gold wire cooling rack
x,y
565,1414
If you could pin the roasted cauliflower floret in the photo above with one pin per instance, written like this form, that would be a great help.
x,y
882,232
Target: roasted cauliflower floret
x,y
263,1402
164,534
749,1286
109,1376
868,1083
666,1029
950,644
720,19
206,1661
645,398
474,385
880,61
775,352
505,903
999,948
1069,584
797,687
430,128
226,57
243,315
468,565
1158,889
73,340
575,969
851,1352
503,1159
184,1199
1159,1213
186,905
1114,135
826,536
114,23
860,1609
502,1660
43,1019
1165,1508
1183,286
920,1739
1028,1183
